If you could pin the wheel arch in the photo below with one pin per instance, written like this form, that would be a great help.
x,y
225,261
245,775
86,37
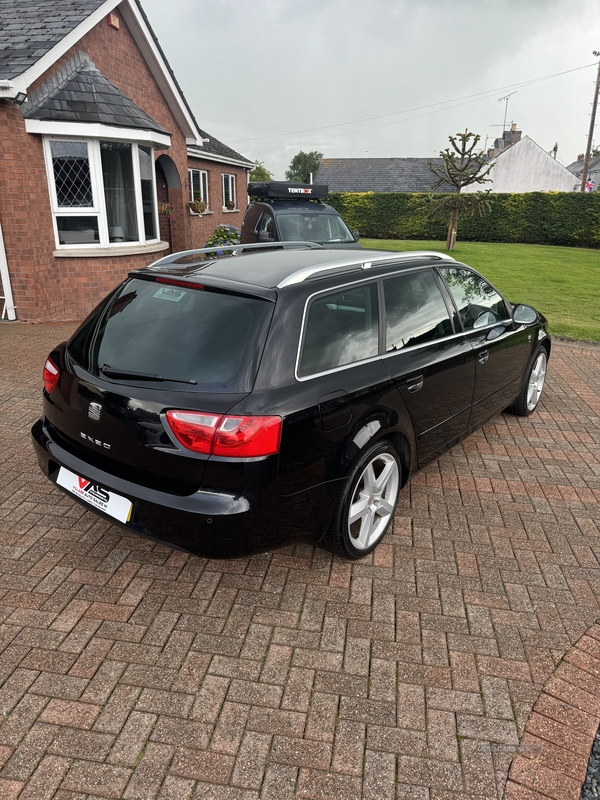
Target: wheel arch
x,y
401,445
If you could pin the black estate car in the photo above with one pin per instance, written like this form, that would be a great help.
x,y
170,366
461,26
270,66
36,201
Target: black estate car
x,y
229,405
284,211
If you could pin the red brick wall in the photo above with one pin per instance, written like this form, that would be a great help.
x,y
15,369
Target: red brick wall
x,y
50,288
203,226
27,220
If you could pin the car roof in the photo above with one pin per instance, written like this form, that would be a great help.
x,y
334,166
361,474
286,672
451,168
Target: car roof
x,y
269,268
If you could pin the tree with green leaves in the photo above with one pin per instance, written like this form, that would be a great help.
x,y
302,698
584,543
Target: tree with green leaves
x,y
462,166
260,173
303,165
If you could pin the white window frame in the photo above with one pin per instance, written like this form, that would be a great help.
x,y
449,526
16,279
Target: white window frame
x,y
98,210
227,177
203,180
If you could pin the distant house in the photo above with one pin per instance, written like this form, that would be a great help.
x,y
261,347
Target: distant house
x,y
523,166
379,175
100,157
593,174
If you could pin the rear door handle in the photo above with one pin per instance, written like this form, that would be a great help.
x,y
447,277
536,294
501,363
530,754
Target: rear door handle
x,y
415,383
483,356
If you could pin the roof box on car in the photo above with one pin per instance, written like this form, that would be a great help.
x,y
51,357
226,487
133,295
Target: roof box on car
x,y
278,190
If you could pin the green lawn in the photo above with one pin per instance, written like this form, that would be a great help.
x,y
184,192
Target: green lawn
x,y
561,282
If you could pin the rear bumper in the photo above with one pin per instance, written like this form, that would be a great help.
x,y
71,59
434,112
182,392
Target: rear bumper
x,y
212,524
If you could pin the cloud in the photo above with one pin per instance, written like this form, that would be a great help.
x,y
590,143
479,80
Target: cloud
x,y
281,66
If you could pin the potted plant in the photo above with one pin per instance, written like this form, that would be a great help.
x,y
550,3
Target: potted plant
x,y
198,206
230,205
165,209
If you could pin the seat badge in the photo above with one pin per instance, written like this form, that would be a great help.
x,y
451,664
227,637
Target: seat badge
x,y
94,411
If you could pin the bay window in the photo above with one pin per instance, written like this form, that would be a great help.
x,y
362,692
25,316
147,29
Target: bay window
x,y
103,192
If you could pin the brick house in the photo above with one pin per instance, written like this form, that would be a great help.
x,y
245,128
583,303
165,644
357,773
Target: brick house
x,y
97,139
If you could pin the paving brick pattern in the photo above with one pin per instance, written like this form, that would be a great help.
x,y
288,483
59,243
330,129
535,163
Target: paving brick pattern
x,y
129,670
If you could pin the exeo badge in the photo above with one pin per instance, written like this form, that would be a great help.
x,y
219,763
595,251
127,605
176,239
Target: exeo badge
x,y
94,441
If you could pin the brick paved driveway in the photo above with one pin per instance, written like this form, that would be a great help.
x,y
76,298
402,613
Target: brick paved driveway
x,y
132,670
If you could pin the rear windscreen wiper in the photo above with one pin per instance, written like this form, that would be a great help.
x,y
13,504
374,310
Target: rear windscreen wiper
x,y
114,372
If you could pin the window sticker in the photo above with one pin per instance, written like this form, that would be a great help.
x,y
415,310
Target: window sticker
x,y
169,294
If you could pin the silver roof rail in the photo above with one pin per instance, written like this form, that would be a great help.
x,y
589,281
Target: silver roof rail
x,y
303,274
235,249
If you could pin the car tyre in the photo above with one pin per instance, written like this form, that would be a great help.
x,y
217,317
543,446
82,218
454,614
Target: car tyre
x,y
531,391
366,508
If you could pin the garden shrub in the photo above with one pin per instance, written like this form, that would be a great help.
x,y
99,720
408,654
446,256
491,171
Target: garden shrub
x,y
224,235
551,218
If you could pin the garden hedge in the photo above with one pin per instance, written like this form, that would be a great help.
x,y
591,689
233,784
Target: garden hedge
x,y
555,218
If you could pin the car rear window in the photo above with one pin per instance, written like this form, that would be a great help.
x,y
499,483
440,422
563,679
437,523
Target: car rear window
x,y
181,333
322,228
341,328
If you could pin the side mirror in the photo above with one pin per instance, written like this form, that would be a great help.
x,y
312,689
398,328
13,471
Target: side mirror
x,y
524,315
356,234
264,236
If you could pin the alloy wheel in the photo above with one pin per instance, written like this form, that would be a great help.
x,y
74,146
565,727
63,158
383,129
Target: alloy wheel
x,y
373,501
536,381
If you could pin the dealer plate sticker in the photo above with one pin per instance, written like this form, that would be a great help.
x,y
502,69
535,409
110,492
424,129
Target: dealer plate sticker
x,y
169,294
108,502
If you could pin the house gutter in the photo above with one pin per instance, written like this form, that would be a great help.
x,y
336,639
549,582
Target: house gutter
x,y
5,278
8,89
193,153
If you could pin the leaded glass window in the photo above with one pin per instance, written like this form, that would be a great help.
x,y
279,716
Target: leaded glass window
x,y
72,174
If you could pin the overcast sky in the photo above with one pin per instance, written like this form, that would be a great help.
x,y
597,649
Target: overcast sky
x,y
253,69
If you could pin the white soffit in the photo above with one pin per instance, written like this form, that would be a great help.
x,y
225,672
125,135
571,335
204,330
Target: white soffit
x,y
95,130
221,159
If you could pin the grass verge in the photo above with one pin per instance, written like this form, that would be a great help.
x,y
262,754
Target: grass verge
x,y
561,282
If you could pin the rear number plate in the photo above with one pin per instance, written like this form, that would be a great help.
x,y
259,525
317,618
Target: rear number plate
x,y
110,503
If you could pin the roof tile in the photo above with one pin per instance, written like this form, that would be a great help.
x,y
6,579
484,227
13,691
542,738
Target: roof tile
x,y
87,96
29,30
379,175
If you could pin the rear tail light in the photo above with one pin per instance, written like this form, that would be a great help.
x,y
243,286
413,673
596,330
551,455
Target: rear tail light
x,y
236,437
51,375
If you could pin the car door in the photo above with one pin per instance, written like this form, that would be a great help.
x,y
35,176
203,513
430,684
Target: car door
x,y
500,346
340,392
432,366
251,217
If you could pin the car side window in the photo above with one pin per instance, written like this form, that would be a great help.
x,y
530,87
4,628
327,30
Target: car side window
x,y
341,328
267,225
478,303
415,310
